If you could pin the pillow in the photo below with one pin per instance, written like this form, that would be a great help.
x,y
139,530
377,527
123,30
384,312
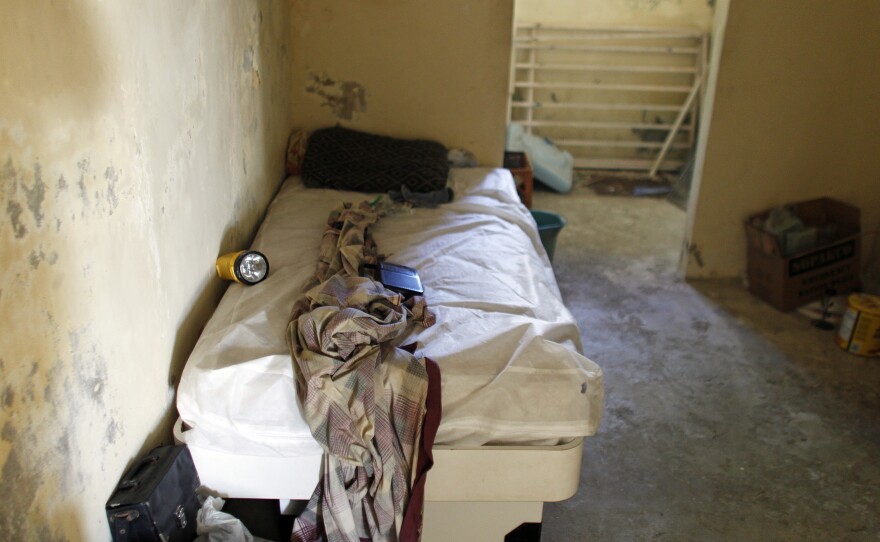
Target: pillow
x,y
296,150
345,159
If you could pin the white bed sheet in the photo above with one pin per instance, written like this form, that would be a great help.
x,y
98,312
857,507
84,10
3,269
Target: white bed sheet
x,y
508,349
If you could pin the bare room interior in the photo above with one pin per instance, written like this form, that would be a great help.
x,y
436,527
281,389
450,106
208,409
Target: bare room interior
x,y
139,142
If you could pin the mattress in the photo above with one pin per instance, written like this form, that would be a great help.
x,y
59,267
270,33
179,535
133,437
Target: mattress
x,y
509,351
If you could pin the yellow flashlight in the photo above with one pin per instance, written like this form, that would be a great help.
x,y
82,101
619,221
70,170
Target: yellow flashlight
x,y
246,267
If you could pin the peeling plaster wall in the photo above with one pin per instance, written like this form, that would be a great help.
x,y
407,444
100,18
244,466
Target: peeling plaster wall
x,y
616,13
795,117
407,68
137,141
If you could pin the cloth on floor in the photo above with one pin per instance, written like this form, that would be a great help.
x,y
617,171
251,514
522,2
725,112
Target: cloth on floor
x,y
216,526
363,397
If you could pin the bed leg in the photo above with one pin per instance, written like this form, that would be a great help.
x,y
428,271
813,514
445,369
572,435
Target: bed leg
x,y
482,521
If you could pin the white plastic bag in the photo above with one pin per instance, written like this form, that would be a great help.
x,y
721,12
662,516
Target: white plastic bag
x,y
217,526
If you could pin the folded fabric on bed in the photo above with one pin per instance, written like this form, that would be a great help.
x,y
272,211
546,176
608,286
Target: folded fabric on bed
x,y
508,349
346,159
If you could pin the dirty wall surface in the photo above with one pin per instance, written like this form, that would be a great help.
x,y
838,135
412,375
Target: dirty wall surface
x,y
418,69
794,119
137,141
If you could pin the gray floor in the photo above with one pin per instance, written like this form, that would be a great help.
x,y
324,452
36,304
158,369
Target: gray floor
x,y
724,419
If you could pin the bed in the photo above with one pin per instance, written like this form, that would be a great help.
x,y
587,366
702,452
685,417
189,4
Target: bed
x,y
518,396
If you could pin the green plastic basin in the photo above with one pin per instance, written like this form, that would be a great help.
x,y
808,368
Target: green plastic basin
x,y
549,226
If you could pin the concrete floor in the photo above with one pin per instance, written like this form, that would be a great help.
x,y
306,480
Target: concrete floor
x,y
724,419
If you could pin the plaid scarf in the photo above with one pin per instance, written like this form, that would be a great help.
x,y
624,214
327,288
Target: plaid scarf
x,y
363,397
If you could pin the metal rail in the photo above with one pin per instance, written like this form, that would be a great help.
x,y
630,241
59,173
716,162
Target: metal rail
x,y
626,96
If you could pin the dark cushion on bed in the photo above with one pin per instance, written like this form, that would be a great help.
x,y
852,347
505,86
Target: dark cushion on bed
x,y
345,159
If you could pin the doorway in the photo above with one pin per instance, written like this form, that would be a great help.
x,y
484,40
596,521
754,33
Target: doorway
x,y
623,87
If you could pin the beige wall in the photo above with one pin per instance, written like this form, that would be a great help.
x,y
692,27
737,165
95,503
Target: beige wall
x,y
409,68
795,117
137,141
616,13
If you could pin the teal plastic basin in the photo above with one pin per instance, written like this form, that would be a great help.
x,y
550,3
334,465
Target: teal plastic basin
x,y
549,226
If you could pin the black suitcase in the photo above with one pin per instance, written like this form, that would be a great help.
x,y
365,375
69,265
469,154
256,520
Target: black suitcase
x,y
156,500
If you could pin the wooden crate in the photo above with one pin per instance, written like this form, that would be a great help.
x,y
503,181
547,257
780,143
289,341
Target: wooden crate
x,y
521,169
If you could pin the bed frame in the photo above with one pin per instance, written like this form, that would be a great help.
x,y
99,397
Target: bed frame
x,y
478,494
473,494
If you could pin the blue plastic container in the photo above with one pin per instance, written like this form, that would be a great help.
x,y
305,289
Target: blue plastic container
x,y
549,226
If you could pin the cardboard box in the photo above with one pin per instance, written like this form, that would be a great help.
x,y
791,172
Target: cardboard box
x,y
789,281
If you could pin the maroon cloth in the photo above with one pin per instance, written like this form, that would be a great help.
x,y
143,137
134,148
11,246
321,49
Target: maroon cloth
x,y
411,528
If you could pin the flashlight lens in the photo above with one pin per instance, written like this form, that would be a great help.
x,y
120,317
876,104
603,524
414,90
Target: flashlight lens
x,y
253,267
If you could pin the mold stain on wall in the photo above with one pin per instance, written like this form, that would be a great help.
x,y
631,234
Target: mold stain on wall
x,y
120,173
344,98
55,382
